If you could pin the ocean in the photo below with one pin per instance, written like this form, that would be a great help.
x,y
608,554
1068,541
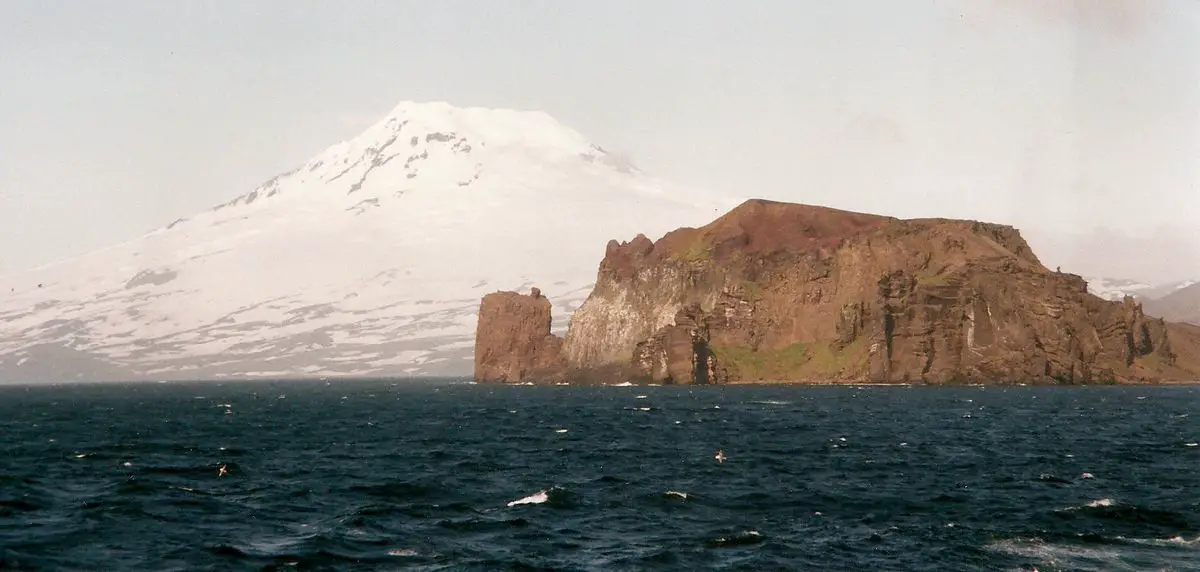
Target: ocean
x,y
446,475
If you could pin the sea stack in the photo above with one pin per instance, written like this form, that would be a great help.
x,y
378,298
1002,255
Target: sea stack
x,y
513,342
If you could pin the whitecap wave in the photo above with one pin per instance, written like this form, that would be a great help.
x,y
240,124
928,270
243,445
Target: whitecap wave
x,y
742,538
1092,504
1060,555
535,498
1173,541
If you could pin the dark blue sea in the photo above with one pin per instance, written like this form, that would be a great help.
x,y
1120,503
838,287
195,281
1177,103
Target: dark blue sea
x,y
403,475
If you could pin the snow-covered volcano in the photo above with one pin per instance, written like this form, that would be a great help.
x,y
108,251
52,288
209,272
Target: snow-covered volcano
x,y
369,259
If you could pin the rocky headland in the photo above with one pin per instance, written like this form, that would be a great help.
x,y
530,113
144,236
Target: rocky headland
x,y
782,292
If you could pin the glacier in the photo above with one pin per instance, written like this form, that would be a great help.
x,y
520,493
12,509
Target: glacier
x,y
368,260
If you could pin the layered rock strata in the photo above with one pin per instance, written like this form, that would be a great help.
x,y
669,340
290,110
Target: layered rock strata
x,y
780,292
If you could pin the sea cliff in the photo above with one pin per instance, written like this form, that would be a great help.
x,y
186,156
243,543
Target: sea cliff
x,y
781,292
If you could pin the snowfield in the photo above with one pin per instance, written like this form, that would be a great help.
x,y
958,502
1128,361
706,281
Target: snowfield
x,y
368,260
1116,289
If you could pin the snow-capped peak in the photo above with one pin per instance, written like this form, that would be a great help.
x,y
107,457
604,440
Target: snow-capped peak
x,y
368,259
495,127
432,145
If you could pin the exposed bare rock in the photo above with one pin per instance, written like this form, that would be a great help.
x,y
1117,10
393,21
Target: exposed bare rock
x,y
513,342
678,353
788,292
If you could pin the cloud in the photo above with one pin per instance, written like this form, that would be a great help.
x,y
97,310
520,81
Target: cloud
x,y
1115,18
1168,254
357,121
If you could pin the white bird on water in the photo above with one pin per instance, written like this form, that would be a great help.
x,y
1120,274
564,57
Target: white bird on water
x,y
222,471
720,456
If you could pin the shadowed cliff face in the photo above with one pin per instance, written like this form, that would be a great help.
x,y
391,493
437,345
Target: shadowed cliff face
x,y
787,292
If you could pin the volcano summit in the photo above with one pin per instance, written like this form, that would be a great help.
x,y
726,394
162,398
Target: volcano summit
x,y
367,260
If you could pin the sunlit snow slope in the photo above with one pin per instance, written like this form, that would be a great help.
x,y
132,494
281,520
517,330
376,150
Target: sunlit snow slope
x,y
1116,288
369,259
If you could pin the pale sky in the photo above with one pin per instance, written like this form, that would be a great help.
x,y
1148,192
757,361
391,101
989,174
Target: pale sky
x,y
1071,119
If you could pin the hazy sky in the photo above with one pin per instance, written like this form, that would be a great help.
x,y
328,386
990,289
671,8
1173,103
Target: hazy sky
x,y
1064,117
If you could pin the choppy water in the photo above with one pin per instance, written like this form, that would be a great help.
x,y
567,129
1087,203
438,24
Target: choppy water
x,y
378,475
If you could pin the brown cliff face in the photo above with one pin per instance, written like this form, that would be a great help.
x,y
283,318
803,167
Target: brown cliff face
x,y
678,353
513,342
787,292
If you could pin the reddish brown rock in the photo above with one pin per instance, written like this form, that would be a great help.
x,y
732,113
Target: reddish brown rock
x,y
788,292
513,342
